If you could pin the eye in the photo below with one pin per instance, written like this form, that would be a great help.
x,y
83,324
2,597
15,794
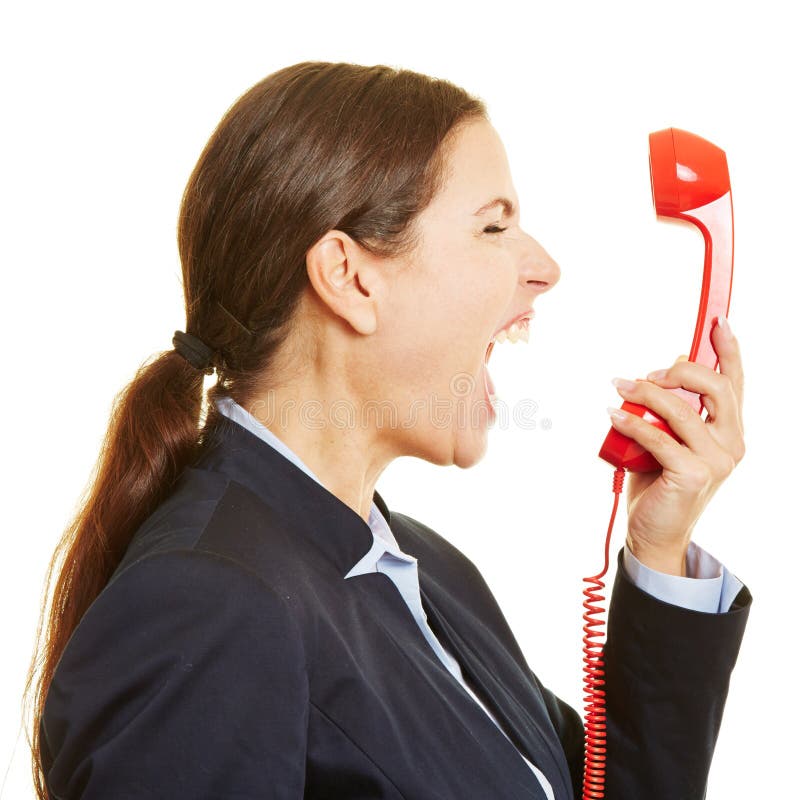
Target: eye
x,y
494,229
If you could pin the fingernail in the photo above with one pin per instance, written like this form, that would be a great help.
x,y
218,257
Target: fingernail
x,y
657,375
724,327
615,413
621,383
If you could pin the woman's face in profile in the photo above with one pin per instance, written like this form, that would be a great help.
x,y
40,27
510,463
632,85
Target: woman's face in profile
x,y
475,271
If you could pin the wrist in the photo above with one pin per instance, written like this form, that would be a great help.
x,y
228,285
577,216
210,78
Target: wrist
x,y
669,559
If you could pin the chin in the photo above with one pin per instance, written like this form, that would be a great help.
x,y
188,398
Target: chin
x,y
463,448
469,451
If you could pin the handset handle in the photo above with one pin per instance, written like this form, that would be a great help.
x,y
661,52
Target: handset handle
x,y
690,182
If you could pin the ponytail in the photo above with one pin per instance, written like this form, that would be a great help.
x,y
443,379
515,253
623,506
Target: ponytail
x,y
151,437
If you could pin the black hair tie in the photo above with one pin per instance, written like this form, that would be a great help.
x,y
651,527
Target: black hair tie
x,y
195,351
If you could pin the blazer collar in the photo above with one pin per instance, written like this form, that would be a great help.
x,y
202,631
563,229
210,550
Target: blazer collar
x,y
335,528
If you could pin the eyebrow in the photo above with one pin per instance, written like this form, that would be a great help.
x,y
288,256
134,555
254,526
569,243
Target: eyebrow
x,y
508,206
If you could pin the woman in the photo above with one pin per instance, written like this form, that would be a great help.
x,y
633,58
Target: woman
x,y
239,614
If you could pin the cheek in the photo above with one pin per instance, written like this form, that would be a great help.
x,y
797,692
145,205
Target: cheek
x,y
430,308
474,303
447,312
491,292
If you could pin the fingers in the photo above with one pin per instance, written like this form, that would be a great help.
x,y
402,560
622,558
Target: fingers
x,y
715,389
713,446
721,392
674,458
684,421
726,346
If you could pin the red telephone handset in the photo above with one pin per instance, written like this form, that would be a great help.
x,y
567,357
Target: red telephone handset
x,y
690,181
689,178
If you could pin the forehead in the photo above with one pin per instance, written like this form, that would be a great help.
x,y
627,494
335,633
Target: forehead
x,y
477,170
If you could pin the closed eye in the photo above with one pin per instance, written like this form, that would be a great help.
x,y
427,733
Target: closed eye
x,y
494,229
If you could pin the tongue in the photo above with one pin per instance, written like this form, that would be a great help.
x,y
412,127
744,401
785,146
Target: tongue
x,y
489,381
488,377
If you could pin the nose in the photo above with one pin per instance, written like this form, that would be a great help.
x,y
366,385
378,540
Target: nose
x,y
538,271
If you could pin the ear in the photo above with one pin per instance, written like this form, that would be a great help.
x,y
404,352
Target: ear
x,y
345,279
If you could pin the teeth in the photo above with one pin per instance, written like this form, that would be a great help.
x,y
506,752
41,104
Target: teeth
x,y
513,334
518,332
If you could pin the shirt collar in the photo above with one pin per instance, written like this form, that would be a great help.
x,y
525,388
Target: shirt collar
x,y
383,540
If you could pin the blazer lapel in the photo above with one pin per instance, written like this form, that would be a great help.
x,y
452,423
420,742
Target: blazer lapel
x,y
524,726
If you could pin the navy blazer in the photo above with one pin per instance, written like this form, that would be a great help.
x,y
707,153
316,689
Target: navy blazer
x,y
228,658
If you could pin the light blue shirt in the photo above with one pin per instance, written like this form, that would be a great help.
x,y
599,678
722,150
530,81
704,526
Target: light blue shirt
x,y
709,587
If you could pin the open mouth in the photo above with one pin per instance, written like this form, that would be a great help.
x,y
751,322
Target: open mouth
x,y
515,331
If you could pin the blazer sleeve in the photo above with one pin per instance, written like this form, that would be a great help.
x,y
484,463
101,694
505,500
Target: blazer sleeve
x,y
185,678
667,672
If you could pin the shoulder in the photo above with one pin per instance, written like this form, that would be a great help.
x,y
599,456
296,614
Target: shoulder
x,y
207,513
192,571
169,604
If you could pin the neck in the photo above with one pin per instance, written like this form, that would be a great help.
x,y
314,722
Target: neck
x,y
332,436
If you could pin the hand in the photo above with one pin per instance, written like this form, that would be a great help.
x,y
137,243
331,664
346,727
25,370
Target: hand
x,y
664,505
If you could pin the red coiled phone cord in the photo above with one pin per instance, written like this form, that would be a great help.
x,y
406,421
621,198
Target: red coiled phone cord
x,y
594,768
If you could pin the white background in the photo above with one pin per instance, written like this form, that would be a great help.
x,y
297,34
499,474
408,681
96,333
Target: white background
x,y
106,108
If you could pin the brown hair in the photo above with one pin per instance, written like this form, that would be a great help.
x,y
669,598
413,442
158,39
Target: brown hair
x,y
312,147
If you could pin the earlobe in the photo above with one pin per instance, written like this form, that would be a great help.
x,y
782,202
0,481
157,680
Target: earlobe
x,y
334,271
